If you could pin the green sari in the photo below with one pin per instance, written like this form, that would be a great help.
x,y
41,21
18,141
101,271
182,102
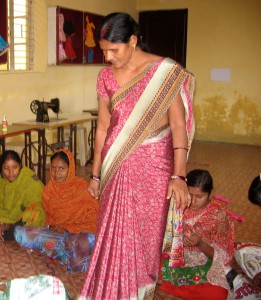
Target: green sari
x,y
21,199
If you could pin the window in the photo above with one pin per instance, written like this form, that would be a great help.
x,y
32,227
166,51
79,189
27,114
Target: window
x,y
18,30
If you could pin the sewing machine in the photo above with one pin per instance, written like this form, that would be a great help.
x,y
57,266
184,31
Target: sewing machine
x,y
40,108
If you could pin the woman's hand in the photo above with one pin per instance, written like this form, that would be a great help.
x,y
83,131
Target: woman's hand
x,y
179,188
257,280
191,238
1,231
58,228
94,188
3,228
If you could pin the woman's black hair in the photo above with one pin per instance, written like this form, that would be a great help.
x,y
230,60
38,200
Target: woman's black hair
x,y
254,191
200,179
118,28
9,154
62,155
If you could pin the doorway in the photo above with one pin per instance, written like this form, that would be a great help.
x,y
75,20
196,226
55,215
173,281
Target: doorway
x,y
165,33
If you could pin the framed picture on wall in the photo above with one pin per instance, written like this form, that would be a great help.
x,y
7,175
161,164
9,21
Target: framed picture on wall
x,y
72,37
92,53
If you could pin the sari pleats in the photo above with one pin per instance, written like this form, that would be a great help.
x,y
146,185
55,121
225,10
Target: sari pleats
x,y
131,226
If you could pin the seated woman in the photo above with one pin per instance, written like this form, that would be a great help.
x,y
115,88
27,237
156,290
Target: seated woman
x,y
208,237
71,215
247,254
20,195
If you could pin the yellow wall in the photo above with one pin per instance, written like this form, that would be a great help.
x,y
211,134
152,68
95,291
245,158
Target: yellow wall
x,y
223,34
73,85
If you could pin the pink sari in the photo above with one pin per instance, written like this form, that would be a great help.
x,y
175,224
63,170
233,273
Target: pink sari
x,y
137,164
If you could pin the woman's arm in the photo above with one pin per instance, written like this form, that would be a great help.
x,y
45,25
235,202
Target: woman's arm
x,y
33,215
192,239
257,280
205,248
176,114
101,132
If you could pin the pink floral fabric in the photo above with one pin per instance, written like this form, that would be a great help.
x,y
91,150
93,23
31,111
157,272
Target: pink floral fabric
x,y
133,207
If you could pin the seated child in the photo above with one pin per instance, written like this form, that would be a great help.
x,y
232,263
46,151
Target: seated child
x,y
71,215
208,237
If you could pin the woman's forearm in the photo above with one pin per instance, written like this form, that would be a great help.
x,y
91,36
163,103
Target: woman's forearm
x,y
180,146
99,143
206,249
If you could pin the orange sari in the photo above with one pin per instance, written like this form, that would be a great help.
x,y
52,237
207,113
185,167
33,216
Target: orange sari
x,y
68,204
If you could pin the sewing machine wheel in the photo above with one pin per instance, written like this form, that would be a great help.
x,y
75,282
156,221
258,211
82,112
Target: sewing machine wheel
x,y
34,106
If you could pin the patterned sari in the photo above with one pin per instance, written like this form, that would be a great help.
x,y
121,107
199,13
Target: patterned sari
x,y
71,216
137,164
215,227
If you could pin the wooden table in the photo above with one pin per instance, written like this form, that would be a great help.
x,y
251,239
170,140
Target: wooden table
x,y
64,120
93,112
13,130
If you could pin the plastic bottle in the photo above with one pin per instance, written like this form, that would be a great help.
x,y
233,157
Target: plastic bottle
x,y
4,124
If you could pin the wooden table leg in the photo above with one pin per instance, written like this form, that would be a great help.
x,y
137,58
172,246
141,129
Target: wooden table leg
x,y
28,150
2,144
42,155
73,140
91,140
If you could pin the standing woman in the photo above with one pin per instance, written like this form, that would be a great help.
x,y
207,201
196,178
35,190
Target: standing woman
x,y
145,110
20,195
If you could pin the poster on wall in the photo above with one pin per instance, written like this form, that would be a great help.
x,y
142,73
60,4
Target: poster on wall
x,y
76,37
92,52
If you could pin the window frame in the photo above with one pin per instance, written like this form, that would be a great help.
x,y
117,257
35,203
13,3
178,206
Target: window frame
x,y
20,36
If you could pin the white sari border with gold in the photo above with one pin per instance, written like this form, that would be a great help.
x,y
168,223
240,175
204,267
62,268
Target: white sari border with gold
x,y
169,79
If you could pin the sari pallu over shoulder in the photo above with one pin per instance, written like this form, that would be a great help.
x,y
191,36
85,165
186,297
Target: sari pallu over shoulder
x,y
169,80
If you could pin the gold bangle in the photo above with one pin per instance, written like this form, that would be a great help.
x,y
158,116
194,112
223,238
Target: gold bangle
x,y
96,178
178,177
180,148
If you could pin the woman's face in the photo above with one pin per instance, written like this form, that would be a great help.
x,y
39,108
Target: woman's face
x,y
118,54
11,169
199,199
59,169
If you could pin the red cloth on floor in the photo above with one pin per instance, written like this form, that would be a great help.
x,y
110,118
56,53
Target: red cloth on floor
x,y
204,291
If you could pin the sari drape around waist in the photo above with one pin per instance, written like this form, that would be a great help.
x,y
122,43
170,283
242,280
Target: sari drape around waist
x,y
131,224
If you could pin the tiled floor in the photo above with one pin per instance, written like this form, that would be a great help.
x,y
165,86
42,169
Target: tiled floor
x,y
232,166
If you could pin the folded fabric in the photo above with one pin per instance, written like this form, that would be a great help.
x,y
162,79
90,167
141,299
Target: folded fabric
x,y
248,256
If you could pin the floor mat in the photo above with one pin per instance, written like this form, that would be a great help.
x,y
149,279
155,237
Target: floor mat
x,y
16,262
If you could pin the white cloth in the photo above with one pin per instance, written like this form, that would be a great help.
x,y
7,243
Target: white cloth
x,y
39,287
